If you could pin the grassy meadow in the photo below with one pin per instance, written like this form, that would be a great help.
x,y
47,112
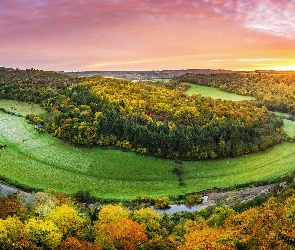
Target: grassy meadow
x,y
21,108
289,127
214,93
43,161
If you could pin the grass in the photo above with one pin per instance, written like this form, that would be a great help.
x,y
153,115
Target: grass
x,y
268,165
42,161
214,93
21,108
289,127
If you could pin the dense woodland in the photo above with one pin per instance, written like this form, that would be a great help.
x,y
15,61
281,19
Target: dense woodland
x,y
146,119
54,221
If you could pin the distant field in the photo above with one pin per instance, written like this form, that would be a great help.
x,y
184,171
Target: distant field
x,y
215,93
43,161
21,108
155,80
289,127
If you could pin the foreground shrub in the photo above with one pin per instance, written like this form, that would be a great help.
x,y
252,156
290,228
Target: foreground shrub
x,y
12,234
68,220
194,198
115,230
162,202
43,233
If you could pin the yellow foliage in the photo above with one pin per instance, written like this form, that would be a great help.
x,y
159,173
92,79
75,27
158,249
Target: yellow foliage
x,y
112,213
141,150
67,220
11,230
43,233
162,202
115,230
148,218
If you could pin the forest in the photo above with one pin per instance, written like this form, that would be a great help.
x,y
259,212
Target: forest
x,y
149,120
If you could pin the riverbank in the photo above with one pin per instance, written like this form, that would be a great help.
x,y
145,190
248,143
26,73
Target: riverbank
x,y
209,198
227,197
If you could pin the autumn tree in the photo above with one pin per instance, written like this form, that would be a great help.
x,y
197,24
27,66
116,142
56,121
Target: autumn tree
x,y
67,219
115,229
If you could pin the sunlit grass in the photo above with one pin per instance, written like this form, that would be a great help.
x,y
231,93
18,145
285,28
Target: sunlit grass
x,y
268,165
289,127
21,108
214,93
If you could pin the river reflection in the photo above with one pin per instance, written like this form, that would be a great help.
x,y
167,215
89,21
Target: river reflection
x,y
6,190
184,208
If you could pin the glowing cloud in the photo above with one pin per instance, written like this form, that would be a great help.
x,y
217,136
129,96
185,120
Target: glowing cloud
x,y
270,16
145,34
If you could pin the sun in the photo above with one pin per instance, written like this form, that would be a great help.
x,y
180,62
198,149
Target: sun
x,y
285,67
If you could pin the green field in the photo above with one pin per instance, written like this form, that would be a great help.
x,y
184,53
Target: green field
x,y
21,108
214,93
289,127
42,161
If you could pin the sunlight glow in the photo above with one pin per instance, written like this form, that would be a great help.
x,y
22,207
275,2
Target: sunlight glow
x,y
285,67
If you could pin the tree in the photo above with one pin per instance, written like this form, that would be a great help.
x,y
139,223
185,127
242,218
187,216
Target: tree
x,y
75,244
201,236
122,234
67,220
12,234
43,233
149,219
43,203
115,229
9,207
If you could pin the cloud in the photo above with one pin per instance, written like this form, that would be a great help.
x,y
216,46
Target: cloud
x,y
118,33
270,16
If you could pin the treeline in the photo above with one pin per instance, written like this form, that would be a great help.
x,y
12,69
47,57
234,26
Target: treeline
x,y
152,120
32,85
54,221
275,91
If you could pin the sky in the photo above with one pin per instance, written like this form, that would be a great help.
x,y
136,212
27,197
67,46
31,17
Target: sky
x,y
82,35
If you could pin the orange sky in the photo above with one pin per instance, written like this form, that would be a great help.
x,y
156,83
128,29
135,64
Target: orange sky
x,y
74,35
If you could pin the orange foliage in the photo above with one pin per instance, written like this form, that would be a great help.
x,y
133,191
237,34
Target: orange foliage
x,y
9,207
75,244
206,239
123,234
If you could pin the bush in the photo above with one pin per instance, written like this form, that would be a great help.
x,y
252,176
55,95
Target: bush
x,y
143,199
83,197
162,202
194,198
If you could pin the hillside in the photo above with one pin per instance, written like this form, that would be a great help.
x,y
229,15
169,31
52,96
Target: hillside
x,y
146,119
